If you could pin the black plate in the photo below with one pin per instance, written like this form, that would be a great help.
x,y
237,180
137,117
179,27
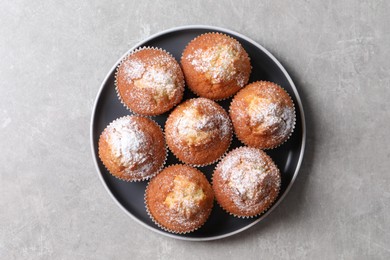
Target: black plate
x,y
288,157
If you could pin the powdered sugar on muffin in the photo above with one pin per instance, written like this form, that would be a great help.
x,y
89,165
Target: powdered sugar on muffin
x,y
215,66
150,81
130,146
218,62
263,115
201,122
246,182
179,199
274,118
198,132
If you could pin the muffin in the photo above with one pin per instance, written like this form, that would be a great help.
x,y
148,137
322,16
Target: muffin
x,y
246,182
132,148
263,115
198,131
179,199
215,66
149,81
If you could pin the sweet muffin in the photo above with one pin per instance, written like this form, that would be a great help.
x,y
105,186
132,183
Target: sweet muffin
x,y
149,81
246,182
215,66
263,115
198,131
132,148
179,199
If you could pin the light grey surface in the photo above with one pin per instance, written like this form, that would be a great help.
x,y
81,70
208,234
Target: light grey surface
x,y
53,57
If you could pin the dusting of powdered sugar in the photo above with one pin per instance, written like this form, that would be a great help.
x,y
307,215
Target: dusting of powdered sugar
x,y
154,78
185,197
219,62
201,122
249,176
128,144
161,80
133,69
183,201
275,117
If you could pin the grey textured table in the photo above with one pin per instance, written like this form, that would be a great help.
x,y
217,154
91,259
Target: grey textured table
x,y
53,57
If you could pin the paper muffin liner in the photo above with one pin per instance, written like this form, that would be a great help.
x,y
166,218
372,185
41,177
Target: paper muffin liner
x,y
216,160
145,177
241,216
125,59
161,226
217,33
293,126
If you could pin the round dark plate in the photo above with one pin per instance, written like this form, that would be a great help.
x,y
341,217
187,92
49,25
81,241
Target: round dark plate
x,y
130,196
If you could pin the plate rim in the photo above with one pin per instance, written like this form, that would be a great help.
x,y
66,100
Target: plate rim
x,y
300,107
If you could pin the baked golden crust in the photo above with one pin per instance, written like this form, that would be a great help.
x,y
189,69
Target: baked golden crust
x,y
246,182
215,66
132,148
198,131
263,115
150,81
179,199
